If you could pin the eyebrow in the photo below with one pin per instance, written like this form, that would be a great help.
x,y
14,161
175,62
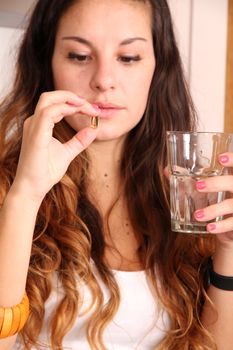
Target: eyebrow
x,y
88,43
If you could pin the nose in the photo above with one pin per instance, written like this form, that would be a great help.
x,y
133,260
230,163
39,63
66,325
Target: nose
x,y
103,77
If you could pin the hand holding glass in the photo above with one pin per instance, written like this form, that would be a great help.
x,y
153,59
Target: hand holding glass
x,y
193,156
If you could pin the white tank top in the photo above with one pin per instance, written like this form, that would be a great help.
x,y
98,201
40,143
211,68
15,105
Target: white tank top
x,y
139,324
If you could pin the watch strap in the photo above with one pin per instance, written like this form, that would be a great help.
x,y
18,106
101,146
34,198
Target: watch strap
x,y
219,281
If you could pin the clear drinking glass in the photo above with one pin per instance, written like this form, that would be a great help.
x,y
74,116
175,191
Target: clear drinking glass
x,y
193,156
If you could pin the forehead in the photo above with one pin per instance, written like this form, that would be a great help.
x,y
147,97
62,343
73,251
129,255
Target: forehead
x,y
98,18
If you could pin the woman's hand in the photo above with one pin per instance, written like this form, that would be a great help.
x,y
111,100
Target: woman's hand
x,y
223,228
43,159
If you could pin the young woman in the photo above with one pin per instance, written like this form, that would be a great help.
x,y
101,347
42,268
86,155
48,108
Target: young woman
x,y
85,221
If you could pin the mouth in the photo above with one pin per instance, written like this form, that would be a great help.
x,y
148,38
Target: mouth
x,y
108,109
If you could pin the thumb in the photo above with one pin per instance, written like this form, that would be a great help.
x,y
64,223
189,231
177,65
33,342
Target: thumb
x,y
80,141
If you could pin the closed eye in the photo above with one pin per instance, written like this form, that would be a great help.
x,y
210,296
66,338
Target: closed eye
x,y
82,59
78,57
129,59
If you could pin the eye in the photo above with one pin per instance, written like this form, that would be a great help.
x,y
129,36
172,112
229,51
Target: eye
x,y
130,59
78,57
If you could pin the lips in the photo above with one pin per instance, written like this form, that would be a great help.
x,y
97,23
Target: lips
x,y
107,105
108,109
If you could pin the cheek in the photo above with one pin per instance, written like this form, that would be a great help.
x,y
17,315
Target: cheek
x,y
140,87
64,81
59,79
140,80
66,78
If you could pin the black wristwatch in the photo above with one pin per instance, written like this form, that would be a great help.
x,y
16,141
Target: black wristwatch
x,y
219,281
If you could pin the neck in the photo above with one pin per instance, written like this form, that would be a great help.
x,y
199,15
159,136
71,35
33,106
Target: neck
x,y
105,160
104,180
105,191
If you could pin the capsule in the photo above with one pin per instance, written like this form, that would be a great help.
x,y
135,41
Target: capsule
x,y
94,122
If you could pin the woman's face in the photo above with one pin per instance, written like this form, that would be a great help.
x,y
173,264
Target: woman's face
x,y
104,53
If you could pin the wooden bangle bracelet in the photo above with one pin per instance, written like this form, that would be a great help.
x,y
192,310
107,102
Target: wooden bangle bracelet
x,y
13,319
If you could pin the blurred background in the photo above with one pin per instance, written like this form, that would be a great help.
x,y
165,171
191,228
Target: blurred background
x,y
204,31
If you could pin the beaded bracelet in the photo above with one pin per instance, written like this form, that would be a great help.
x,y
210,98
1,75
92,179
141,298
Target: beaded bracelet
x,y
13,319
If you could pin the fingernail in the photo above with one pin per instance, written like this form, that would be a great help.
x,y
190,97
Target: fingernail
x,y
75,104
71,104
200,185
199,214
72,108
211,227
224,159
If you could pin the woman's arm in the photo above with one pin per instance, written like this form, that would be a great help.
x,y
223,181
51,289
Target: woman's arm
x,y
42,163
220,322
17,221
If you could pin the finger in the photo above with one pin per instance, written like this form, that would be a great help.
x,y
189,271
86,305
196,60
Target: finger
x,y
211,212
215,184
166,172
39,128
42,128
58,96
54,113
80,141
226,159
222,226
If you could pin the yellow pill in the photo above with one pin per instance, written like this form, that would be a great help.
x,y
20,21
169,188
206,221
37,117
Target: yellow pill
x,y
94,122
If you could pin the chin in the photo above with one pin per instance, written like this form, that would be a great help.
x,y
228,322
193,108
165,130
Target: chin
x,y
110,136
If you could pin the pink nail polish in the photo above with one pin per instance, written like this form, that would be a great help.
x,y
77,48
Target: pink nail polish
x,y
211,227
199,214
224,159
200,185
81,97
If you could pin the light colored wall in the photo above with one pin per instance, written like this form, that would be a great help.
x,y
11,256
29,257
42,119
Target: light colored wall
x,y
12,13
201,30
208,61
19,6
9,41
228,125
181,11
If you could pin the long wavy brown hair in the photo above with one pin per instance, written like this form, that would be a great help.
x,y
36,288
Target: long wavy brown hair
x,y
69,228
